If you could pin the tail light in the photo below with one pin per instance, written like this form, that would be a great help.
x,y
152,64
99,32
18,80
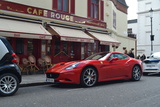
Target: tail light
x,y
14,60
13,55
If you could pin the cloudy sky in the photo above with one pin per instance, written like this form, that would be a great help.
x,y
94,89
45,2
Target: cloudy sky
x,y
132,10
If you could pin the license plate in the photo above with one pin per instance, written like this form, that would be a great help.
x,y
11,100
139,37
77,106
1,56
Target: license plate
x,y
50,80
151,65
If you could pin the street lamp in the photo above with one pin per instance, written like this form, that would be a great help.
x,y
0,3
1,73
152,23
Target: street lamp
x,y
152,36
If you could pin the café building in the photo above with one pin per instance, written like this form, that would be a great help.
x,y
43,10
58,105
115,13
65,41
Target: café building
x,y
55,29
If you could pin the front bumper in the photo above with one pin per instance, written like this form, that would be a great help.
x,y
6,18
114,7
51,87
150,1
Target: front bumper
x,y
151,68
68,76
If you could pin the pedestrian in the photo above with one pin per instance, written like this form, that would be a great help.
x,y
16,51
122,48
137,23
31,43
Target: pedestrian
x,y
131,54
143,57
125,50
138,57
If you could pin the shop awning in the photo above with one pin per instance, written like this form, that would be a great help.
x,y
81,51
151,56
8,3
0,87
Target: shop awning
x,y
67,34
105,39
21,29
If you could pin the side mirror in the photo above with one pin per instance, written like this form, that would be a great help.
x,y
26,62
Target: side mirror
x,y
113,59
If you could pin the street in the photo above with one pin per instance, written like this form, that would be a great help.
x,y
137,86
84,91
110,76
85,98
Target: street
x,y
121,93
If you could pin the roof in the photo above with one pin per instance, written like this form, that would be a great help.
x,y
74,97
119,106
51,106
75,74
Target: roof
x,y
122,2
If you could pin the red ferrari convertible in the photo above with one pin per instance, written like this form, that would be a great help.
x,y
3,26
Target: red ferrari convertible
x,y
98,67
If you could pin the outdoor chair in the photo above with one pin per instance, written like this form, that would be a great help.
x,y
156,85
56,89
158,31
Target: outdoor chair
x,y
48,62
25,65
41,64
32,63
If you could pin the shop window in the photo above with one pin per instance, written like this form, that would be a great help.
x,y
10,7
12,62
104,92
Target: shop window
x,y
57,46
95,46
82,50
30,47
96,9
49,47
19,46
43,50
65,47
107,48
72,49
46,48
99,47
89,49
64,5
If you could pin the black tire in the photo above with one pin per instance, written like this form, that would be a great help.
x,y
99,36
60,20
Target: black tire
x,y
89,77
9,84
136,73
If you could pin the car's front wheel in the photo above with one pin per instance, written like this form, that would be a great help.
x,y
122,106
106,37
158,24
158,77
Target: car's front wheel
x,y
89,77
136,73
9,84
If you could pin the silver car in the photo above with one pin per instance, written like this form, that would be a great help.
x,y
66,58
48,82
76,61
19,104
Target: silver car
x,y
152,64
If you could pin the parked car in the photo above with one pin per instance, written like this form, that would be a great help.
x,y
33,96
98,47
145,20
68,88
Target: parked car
x,y
10,74
98,67
152,64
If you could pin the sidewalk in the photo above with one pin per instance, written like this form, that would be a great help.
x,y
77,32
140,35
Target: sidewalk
x,y
32,80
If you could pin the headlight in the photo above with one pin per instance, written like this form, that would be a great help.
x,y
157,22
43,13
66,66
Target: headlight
x,y
73,66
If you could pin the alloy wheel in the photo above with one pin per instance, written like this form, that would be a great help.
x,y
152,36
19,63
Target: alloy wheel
x,y
136,73
89,77
8,84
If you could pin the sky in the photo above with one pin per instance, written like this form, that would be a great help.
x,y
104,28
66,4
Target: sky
x,y
132,10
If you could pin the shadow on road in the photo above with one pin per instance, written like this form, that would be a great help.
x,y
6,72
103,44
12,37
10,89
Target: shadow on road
x,y
66,86
115,82
152,75
73,86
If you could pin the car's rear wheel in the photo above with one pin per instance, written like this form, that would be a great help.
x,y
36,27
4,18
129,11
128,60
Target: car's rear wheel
x,y
89,77
136,73
9,84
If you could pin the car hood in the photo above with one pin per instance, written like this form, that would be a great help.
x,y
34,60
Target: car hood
x,y
61,66
151,60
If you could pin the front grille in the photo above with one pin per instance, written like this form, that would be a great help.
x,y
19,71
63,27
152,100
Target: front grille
x,y
52,75
151,62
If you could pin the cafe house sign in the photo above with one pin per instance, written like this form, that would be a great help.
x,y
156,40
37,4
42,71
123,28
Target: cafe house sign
x,y
14,7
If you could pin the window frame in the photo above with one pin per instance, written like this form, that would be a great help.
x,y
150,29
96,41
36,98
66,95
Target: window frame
x,y
62,6
100,10
71,6
94,10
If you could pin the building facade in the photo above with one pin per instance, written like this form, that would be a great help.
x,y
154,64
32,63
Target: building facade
x,y
65,30
144,27
116,14
132,31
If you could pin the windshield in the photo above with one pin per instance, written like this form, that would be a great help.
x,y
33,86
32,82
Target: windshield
x,y
98,56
